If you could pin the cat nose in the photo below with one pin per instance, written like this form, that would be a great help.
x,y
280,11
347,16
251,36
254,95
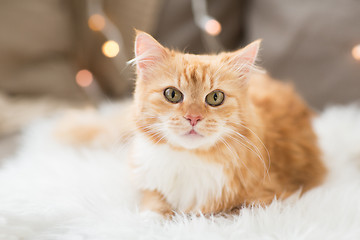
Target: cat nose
x,y
193,119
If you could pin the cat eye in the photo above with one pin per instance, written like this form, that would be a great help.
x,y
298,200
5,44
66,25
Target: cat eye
x,y
215,98
173,95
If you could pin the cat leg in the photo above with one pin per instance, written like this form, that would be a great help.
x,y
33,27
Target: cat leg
x,y
153,201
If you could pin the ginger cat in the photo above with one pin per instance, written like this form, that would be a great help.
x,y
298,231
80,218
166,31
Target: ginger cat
x,y
211,134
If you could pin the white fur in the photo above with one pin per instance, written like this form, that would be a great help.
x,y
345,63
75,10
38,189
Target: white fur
x,y
176,129
49,191
183,178
194,142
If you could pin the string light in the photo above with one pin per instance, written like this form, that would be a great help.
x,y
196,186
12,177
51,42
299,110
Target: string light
x,y
207,23
212,27
96,22
84,78
356,52
110,49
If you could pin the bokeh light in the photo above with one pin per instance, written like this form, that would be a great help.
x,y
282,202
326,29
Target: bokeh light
x,y
213,27
110,48
96,22
84,78
356,52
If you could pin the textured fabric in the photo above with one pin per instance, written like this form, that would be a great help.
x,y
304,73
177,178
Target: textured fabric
x,y
50,191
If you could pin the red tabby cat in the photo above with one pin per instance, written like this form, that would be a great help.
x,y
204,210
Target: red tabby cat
x,y
211,133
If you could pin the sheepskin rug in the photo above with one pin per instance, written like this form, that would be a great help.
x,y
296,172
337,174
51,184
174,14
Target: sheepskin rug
x,y
52,191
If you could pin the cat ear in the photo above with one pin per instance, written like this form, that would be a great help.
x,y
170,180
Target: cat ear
x,y
243,60
148,51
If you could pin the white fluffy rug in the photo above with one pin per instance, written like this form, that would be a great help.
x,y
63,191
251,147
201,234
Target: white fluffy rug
x,y
50,191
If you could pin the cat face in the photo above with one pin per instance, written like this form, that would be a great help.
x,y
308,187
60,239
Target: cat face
x,y
189,101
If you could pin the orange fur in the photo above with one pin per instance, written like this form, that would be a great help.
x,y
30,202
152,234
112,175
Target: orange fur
x,y
267,147
283,155
156,202
89,128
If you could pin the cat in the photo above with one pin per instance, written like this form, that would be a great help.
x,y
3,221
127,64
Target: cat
x,y
211,133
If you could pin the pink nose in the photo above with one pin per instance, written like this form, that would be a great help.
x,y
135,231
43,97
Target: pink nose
x,y
193,119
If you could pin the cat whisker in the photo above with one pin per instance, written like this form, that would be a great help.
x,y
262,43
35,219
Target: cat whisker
x,y
231,152
245,164
262,143
164,135
254,149
154,130
237,160
243,144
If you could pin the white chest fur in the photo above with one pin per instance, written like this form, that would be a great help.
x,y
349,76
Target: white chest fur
x,y
185,180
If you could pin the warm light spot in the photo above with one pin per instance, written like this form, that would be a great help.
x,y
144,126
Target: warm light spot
x,y
356,52
110,49
84,78
96,22
213,27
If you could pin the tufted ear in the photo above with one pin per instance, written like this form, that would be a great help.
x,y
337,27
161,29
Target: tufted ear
x,y
243,60
148,52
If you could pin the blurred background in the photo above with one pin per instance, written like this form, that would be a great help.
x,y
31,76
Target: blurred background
x,y
58,53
